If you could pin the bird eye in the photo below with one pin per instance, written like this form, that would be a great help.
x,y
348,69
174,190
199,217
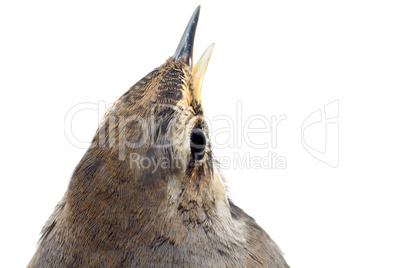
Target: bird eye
x,y
198,143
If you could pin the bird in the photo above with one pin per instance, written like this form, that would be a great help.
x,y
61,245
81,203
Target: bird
x,y
148,191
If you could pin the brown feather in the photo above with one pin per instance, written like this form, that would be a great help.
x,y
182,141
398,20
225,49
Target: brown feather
x,y
115,214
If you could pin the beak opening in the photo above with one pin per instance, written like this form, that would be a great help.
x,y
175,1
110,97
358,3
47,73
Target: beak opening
x,y
185,51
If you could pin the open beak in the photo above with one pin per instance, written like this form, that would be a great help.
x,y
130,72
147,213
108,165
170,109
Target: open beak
x,y
185,51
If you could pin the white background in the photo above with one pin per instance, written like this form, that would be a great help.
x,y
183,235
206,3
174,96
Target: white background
x,y
276,57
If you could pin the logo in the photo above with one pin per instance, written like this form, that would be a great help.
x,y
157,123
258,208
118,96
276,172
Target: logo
x,y
320,134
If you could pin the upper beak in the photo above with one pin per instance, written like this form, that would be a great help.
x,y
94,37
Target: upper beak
x,y
185,51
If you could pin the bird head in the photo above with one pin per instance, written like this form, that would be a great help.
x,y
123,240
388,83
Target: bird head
x,y
150,160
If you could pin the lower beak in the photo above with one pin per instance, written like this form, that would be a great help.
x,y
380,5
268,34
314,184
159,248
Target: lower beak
x,y
199,71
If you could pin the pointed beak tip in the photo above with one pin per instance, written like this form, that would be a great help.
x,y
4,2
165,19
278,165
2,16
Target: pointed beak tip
x,y
185,48
211,46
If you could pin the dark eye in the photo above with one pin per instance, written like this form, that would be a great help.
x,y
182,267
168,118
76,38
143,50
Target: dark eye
x,y
198,143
